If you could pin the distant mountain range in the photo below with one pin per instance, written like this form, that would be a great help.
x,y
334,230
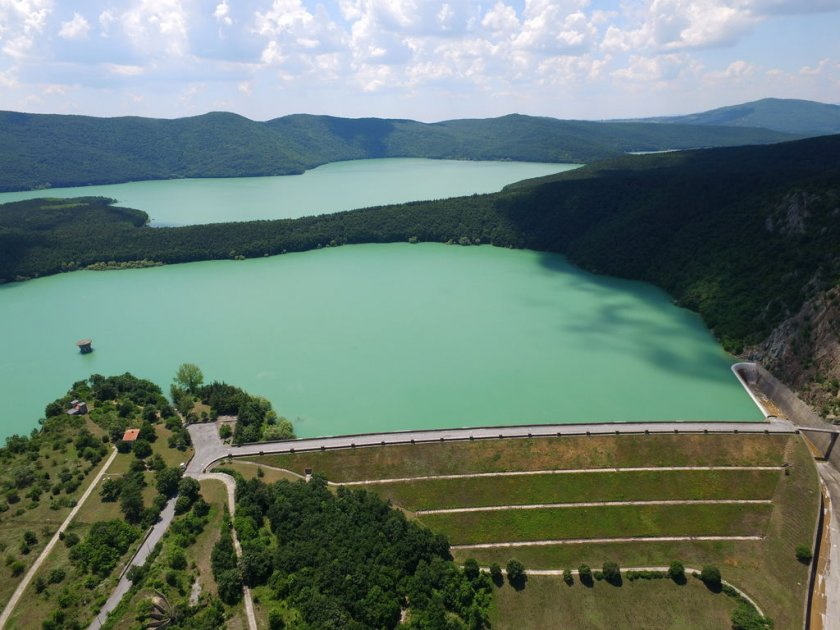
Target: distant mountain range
x,y
804,118
45,150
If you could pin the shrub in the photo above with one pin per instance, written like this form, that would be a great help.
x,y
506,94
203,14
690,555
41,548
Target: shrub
x,y
567,577
40,584
612,573
803,553
55,576
225,431
70,539
676,571
516,573
30,538
496,574
177,560
746,617
710,576
17,568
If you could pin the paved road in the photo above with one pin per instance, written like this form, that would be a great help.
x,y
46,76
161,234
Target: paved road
x,y
13,600
209,448
139,559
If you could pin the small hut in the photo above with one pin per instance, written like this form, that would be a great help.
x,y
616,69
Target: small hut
x,y
85,346
131,435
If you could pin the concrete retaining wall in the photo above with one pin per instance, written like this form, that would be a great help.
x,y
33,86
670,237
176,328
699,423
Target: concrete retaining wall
x,y
796,411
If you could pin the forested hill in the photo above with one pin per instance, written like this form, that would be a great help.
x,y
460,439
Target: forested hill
x,y
745,236
44,150
789,115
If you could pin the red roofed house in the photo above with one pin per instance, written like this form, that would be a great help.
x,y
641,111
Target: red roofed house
x,y
131,435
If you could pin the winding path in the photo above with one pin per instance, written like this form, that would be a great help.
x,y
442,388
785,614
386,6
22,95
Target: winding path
x,y
13,600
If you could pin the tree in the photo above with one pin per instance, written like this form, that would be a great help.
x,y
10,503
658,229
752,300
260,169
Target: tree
x,y
496,574
612,573
225,431
471,568
585,574
166,481
30,538
710,576
189,487
110,490
142,449
516,574
676,571
189,377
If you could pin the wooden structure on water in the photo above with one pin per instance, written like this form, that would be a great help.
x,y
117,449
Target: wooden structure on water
x,y
85,346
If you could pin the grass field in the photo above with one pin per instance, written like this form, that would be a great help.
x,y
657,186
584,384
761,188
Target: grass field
x,y
767,569
581,487
547,602
467,528
554,453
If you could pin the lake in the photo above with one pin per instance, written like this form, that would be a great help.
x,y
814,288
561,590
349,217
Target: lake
x,y
329,188
377,337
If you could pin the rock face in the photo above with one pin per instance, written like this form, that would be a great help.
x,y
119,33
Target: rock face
x,y
804,352
789,218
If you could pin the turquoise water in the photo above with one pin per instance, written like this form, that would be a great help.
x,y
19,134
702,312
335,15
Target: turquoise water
x,y
377,337
329,188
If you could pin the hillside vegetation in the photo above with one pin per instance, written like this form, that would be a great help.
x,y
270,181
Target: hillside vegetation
x,y
44,150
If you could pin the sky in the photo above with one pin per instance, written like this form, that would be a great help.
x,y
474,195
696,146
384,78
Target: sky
x,y
427,60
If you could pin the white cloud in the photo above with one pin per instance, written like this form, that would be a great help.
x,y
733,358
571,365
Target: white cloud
x,y
77,28
814,71
222,13
153,26
21,21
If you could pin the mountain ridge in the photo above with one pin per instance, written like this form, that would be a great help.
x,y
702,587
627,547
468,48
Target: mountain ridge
x,y
40,151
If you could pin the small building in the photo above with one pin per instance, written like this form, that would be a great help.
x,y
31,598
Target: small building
x,y
77,408
130,435
85,346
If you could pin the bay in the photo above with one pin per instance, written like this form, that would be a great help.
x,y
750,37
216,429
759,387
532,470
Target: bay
x,y
377,337
328,188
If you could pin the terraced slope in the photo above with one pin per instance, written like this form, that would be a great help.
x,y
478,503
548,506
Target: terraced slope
x,y
742,502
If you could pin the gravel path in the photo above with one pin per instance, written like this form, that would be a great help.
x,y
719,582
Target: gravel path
x,y
553,506
13,600
563,471
584,541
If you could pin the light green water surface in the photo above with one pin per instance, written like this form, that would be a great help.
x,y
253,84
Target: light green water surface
x,y
329,188
377,337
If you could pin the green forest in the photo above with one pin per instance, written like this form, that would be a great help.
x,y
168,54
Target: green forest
x,y
349,560
40,151
741,235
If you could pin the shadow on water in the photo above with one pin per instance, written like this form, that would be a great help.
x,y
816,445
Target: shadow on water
x,y
614,320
